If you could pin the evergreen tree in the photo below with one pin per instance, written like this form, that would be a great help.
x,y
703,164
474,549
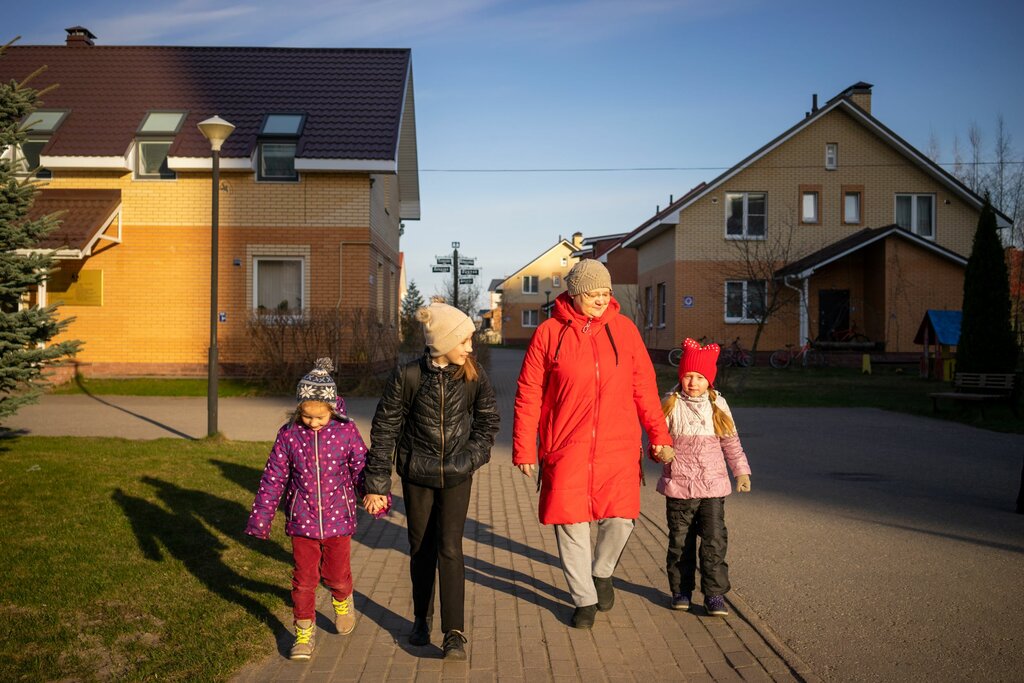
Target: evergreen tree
x,y
412,331
24,329
986,337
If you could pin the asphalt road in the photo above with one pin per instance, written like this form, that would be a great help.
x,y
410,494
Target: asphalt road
x,y
880,546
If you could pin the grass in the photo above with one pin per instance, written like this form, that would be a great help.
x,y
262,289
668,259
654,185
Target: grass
x,y
886,388
152,386
125,560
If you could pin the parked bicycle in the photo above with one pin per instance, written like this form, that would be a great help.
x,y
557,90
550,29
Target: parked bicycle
x,y
848,335
735,355
806,355
674,356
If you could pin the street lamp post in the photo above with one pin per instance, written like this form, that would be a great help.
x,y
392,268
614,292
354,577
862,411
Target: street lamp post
x,y
216,130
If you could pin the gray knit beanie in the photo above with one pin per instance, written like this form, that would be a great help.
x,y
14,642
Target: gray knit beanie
x,y
444,326
586,276
318,385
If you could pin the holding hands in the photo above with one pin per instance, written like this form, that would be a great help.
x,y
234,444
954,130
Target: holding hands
x,y
375,503
663,453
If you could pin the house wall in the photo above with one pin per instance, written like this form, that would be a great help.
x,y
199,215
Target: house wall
x,y
707,259
155,313
514,300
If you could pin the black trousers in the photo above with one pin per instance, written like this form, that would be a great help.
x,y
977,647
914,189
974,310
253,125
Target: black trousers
x,y
436,520
689,518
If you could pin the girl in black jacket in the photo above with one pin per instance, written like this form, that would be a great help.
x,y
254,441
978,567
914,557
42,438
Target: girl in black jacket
x,y
438,417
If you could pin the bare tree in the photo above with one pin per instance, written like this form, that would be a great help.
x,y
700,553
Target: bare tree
x,y
469,296
934,151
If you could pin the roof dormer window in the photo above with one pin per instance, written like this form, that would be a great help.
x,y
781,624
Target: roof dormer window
x,y
277,145
39,126
153,143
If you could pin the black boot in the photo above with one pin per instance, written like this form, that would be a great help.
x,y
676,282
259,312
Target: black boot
x,y
420,631
583,617
605,593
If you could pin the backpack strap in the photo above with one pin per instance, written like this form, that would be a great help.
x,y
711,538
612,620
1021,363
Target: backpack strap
x,y
412,374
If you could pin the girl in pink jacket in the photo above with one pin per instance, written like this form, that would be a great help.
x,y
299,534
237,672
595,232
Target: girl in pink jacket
x,y
695,481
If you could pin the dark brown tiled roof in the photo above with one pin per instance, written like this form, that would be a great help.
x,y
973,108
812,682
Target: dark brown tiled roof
x,y
353,98
85,212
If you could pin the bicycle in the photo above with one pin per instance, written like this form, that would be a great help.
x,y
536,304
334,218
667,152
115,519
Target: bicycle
x,y
848,335
735,355
676,354
808,355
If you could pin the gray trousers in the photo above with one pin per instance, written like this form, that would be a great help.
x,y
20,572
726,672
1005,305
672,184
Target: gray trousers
x,y
581,564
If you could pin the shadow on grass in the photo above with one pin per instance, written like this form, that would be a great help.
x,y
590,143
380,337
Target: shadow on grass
x,y
181,533
9,436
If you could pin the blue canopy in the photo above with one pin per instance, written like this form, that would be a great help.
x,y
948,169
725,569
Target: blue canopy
x,y
943,327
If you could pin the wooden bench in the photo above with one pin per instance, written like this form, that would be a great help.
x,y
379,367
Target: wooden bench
x,y
980,387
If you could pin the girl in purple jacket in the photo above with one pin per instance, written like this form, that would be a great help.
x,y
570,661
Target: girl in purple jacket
x,y
316,464
695,481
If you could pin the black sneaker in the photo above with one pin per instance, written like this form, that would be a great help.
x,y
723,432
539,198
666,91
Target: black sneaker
x,y
605,593
420,632
583,617
714,605
454,645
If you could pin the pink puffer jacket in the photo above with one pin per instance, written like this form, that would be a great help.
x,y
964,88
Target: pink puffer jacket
x,y
699,468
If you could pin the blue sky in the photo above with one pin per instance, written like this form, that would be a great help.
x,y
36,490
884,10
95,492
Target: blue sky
x,y
604,84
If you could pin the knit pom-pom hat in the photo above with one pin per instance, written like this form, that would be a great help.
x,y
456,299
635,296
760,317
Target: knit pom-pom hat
x,y
697,358
444,326
586,276
317,384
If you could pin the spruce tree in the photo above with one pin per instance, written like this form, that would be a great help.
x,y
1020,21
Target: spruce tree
x,y
412,332
24,330
986,336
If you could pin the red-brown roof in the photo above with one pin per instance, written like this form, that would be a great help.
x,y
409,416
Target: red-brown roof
x,y
85,214
353,98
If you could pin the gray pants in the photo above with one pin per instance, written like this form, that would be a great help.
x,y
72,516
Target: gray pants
x,y
581,564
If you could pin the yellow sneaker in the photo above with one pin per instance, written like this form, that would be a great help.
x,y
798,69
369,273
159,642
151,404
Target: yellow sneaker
x,y
344,615
302,649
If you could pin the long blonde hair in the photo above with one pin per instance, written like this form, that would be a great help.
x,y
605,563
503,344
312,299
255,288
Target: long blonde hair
x,y
724,426
468,370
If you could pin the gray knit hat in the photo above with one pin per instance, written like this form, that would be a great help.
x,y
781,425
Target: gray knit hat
x,y
318,385
586,276
444,326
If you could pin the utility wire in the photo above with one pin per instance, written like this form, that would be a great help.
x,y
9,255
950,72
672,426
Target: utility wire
x,y
953,164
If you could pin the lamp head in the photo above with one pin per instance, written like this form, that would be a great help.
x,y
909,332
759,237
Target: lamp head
x,y
216,130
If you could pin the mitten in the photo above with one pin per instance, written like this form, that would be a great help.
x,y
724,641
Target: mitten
x,y
743,483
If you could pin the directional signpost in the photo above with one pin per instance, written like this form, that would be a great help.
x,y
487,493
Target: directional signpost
x,y
461,268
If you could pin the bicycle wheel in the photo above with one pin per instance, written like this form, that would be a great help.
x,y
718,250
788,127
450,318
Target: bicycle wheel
x,y
815,359
674,356
745,359
779,359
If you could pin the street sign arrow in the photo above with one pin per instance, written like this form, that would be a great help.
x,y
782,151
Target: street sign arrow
x,y
465,280
441,269
444,260
469,271
467,261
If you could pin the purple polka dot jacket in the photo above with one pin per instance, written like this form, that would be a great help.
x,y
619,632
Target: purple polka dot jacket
x,y
320,476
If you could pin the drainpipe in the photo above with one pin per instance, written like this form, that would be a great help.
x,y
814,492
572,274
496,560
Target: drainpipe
x,y
804,323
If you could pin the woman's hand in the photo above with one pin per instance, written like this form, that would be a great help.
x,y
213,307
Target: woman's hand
x,y
663,453
374,503
526,468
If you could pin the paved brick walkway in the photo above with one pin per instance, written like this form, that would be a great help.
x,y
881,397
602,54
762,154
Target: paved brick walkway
x,y
517,605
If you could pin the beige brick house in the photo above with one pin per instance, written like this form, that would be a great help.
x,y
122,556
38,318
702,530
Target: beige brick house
x,y
526,293
315,180
838,217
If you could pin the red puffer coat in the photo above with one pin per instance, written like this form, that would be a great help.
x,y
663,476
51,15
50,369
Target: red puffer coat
x,y
582,388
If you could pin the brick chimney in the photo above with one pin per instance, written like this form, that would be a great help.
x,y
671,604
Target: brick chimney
x,y
577,240
859,94
79,36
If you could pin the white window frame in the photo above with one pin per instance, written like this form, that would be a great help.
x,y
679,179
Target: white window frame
x,y
528,313
662,298
556,281
914,196
745,235
565,262
831,156
256,289
262,177
528,280
860,207
745,317
142,142
815,217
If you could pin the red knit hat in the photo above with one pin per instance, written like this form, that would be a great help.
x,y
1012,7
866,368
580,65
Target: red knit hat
x,y
697,358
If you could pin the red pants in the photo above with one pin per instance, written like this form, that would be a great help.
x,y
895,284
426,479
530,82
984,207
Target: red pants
x,y
315,559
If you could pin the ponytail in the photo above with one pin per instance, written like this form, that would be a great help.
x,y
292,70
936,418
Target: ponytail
x,y
724,426
669,404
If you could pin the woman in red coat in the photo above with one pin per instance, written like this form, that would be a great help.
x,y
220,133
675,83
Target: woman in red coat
x,y
585,381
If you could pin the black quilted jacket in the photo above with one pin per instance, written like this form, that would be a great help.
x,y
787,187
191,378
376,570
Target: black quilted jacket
x,y
445,437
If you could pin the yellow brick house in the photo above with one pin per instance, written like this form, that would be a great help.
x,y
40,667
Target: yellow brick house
x,y
315,182
851,226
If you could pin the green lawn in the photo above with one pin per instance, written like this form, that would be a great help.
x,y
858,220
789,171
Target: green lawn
x,y
887,388
147,386
125,560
